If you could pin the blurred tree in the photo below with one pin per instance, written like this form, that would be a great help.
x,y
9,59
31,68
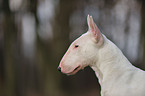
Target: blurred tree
x,y
142,39
1,54
10,46
61,31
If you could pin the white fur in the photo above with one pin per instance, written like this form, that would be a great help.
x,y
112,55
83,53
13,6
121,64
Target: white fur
x,y
117,76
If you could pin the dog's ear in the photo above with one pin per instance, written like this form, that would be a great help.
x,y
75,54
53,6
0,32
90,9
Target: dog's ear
x,y
97,35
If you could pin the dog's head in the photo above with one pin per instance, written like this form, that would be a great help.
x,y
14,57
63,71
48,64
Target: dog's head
x,y
83,51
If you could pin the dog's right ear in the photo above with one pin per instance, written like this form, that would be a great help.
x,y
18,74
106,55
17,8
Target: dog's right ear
x,y
97,35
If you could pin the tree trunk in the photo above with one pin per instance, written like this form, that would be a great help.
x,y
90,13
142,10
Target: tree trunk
x,y
143,32
10,49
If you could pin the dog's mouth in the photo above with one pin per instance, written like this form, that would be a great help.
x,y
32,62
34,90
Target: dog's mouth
x,y
74,71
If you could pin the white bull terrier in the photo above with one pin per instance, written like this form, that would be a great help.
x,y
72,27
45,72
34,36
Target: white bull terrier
x,y
117,76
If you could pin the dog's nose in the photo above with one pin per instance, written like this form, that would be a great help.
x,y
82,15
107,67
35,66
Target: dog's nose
x,y
59,69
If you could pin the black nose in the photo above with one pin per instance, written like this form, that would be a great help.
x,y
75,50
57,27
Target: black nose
x,y
59,69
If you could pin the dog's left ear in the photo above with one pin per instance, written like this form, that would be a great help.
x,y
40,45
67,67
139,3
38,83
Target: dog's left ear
x,y
97,35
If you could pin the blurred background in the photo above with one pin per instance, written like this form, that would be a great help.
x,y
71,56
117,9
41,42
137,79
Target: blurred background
x,y
34,35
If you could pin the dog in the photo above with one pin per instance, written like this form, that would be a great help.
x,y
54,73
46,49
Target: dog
x,y
117,76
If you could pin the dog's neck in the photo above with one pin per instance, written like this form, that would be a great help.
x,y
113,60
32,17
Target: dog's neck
x,y
111,62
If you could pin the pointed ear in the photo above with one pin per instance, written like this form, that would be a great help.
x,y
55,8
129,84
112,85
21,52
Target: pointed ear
x,y
97,35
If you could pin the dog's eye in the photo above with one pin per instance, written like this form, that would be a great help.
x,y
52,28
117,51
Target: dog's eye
x,y
76,46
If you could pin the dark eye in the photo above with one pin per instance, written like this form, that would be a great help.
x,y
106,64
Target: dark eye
x,y
76,46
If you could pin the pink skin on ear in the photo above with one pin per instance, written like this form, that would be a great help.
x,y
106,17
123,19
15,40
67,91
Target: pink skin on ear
x,y
92,26
99,35
95,30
